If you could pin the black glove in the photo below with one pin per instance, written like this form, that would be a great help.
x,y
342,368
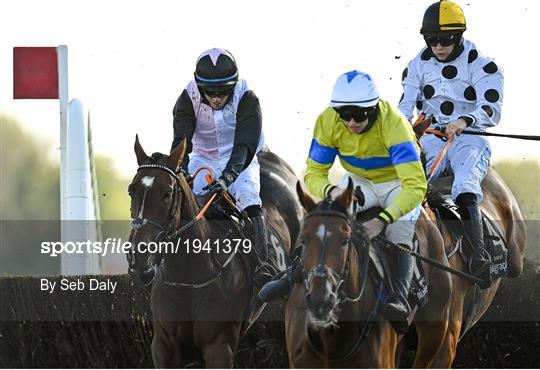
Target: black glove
x,y
443,130
218,187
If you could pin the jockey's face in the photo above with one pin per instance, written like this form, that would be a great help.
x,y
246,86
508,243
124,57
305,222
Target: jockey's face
x,y
217,102
442,52
355,127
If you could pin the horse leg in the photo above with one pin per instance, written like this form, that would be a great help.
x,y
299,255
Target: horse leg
x,y
218,354
431,335
164,355
447,353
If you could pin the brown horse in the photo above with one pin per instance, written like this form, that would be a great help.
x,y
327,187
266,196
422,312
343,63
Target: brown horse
x,y
200,296
468,302
332,319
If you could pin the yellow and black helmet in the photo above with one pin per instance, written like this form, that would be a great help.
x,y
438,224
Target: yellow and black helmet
x,y
443,16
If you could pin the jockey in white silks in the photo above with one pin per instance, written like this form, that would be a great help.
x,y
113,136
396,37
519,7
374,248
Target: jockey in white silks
x,y
221,120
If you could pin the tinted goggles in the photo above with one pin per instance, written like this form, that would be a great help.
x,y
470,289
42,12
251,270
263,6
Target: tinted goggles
x,y
443,40
217,91
359,114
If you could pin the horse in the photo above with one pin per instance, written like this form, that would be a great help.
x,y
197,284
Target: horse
x,y
468,302
200,301
332,317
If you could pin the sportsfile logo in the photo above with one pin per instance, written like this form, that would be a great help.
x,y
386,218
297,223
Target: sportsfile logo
x,y
117,246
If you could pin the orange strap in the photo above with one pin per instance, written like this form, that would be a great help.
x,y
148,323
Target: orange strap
x,y
209,177
205,208
443,151
420,118
436,132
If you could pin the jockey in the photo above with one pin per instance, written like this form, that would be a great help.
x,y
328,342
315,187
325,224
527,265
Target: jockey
x,y
376,145
460,88
220,118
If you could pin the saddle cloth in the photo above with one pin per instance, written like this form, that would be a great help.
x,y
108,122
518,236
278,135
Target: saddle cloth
x,y
447,213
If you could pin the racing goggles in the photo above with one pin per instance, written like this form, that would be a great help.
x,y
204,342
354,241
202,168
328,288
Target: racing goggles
x,y
446,40
217,91
359,114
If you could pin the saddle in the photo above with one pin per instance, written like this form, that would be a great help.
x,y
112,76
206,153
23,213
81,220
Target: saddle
x,y
446,211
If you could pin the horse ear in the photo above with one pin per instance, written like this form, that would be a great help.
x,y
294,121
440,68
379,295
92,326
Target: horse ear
x,y
307,201
177,155
139,151
345,198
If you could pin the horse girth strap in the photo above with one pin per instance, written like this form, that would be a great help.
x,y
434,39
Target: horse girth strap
x,y
216,277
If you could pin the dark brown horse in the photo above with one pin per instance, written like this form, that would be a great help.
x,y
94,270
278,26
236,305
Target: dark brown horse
x,y
332,317
199,299
468,303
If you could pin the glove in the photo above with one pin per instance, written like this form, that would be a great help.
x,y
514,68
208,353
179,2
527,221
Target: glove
x,y
218,187
443,130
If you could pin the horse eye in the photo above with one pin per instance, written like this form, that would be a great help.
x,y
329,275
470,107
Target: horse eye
x,y
130,190
167,195
346,241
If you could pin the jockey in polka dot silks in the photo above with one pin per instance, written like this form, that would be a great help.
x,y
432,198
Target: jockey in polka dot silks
x,y
460,88
220,118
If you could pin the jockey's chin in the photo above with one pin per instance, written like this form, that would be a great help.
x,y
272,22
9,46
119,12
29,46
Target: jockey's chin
x,y
355,127
217,102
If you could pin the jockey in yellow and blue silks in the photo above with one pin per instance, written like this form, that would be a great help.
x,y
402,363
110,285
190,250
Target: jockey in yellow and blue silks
x,y
376,145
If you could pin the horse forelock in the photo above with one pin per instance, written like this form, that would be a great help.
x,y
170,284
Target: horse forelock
x,y
331,205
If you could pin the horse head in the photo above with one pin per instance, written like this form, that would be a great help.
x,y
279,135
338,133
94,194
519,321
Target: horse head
x,y
157,192
328,238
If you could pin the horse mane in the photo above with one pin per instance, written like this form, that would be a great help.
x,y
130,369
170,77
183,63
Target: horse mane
x,y
191,209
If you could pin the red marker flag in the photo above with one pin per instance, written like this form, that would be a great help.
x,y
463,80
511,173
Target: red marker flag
x,y
35,73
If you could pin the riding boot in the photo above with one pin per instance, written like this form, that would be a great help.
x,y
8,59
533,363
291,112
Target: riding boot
x,y
397,309
263,272
279,287
471,216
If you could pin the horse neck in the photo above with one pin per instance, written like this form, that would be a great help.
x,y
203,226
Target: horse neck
x,y
185,264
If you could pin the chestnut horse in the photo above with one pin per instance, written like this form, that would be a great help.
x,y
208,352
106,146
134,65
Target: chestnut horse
x,y
468,302
199,299
333,319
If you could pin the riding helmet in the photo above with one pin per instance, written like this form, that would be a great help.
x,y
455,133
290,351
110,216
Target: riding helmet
x,y
355,88
443,16
216,67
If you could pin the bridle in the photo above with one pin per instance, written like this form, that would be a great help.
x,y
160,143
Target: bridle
x,y
362,247
169,232
165,230
139,222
